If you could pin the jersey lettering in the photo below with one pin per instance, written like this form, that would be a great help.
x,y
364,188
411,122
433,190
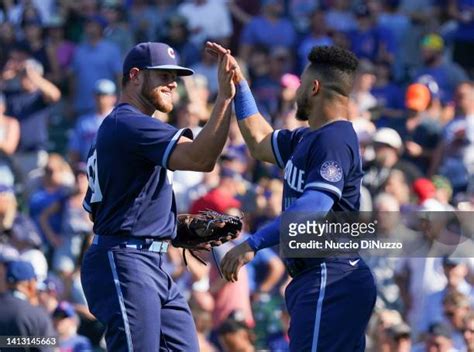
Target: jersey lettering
x,y
294,177
92,174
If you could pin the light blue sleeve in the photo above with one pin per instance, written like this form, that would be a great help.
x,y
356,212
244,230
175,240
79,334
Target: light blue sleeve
x,y
312,201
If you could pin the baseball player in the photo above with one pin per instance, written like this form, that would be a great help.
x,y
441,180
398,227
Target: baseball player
x,y
330,299
131,202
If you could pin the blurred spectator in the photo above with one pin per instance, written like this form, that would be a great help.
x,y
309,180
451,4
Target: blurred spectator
x,y
61,50
389,227
53,188
439,339
339,16
106,65
280,341
176,35
447,74
370,40
207,67
7,254
444,191
455,155
207,19
85,131
9,138
258,63
34,43
469,331
423,16
300,12
7,41
417,278
456,271
399,338
235,336
379,329
199,97
289,86
363,84
364,128
425,191
437,109
389,95
462,11
422,133
456,307
242,12
222,198
188,116
48,295
144,21
75,226
117,30
388,146
28,9
18,230
210,180
270,29
8,210
267,88
66,323
30,105
202,319
397,185
318,36
18,314
229,297
398,23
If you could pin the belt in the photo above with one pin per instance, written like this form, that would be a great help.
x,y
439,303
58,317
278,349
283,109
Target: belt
x,y
147,244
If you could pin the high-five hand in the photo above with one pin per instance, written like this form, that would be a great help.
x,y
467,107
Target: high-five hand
x,y
225,75
219,50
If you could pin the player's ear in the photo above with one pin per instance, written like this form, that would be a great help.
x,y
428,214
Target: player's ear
x,y
134,76
315,86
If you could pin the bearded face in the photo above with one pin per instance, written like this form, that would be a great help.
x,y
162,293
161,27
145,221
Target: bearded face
x,y
302,100
158,88
302,111
303,94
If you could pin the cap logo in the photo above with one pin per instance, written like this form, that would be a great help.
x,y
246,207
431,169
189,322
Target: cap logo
x,y
171,53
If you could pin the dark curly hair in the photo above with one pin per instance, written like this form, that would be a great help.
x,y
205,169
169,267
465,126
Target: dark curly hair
x,y
335,67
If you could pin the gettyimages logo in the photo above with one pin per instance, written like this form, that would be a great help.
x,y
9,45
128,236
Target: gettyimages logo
x,y
319,229
382,234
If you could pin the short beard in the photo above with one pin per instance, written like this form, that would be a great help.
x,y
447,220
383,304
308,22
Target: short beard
x,y
302,111
153,99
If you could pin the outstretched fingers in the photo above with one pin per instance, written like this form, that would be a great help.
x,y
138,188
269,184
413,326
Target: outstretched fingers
x,y
216,49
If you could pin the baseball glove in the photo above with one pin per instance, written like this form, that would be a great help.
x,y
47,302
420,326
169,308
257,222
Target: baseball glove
x,y
205,230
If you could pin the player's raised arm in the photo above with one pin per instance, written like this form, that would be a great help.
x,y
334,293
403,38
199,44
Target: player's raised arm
x,y
256,131
202,153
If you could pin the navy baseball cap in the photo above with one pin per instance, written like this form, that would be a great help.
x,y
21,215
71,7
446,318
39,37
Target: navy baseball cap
x,y
64,310
154,56
19,270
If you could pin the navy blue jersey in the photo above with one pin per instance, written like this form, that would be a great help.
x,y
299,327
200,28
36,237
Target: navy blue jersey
x,y
130,187
326,159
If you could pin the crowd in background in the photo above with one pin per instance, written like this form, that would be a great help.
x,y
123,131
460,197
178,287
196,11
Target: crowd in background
x,y
412,108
